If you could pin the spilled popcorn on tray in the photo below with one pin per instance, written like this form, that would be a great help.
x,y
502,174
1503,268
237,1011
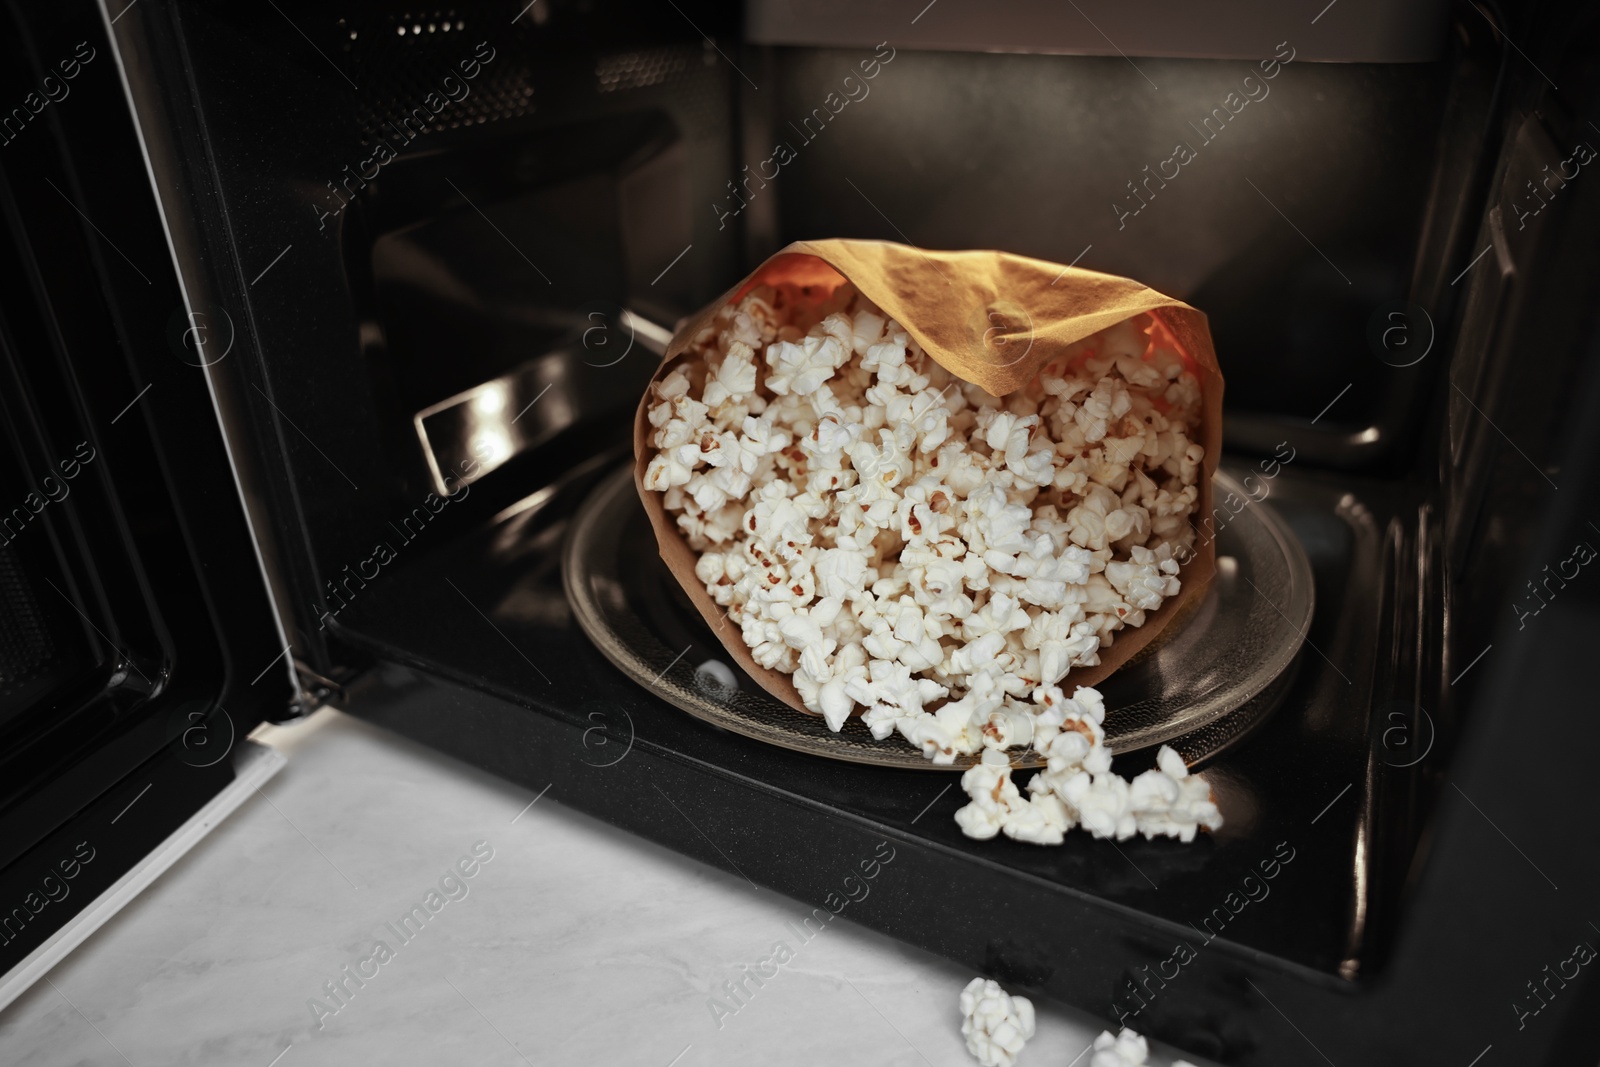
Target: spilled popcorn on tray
x,y
901,542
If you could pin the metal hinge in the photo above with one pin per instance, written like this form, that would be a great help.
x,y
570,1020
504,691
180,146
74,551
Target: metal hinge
x,y
315,690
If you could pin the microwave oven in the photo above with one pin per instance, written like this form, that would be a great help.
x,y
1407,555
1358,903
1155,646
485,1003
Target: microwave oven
x,y
327,324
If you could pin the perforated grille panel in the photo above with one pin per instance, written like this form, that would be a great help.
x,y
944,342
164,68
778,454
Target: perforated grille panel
x,y
407,67
412,67
26,648
637,70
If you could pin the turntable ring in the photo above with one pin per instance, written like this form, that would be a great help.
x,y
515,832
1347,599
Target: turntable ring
x,y
1200,688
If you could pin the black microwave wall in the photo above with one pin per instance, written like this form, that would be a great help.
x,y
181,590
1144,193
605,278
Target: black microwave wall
x,y
395,206
1287,214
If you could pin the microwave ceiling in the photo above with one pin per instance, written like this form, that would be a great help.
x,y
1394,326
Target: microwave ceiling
x,y
1343,31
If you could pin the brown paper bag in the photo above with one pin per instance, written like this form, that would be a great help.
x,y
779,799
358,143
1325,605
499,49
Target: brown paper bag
x,y
993,319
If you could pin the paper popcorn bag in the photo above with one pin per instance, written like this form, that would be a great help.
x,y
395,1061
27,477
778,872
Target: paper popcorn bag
x,y
992,319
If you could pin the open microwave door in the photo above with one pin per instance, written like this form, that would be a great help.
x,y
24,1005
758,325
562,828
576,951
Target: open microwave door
x,y
138,642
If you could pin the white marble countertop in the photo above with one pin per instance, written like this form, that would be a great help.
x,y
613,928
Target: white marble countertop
x,y
573,943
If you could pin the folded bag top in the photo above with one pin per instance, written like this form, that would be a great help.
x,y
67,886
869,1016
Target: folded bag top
x,y
990,318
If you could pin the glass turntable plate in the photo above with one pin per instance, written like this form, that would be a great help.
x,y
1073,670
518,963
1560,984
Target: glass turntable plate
x,y
1206,682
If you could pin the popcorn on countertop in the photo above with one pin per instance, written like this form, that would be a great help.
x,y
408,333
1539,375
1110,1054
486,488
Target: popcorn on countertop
x,y
995,1024
937,559
1125,1049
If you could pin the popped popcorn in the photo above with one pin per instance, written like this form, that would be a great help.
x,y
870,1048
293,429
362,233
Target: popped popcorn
x,y
911,549
1125,1049
1076,786
995,1024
